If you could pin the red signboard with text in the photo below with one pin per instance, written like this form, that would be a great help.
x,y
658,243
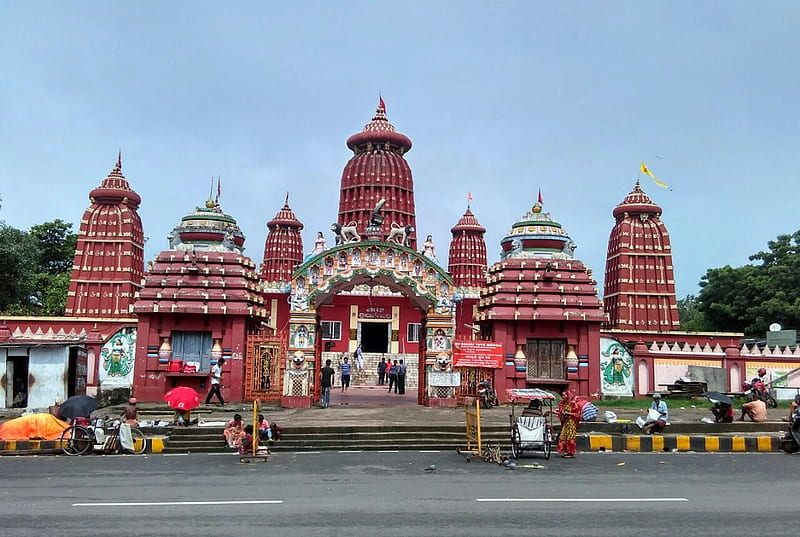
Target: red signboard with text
x,y
478,354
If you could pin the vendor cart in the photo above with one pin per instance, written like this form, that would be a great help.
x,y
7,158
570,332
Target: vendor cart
x,y
532,427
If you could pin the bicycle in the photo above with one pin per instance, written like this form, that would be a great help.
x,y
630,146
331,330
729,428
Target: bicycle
x,y
84,436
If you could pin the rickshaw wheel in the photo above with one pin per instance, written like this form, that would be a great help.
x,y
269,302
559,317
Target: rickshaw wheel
x,y
548,444
516,442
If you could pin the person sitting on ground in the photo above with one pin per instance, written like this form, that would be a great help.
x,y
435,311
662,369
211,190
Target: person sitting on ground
x,y
234,432
247,440
534,408
264,428
130,413
182,418
723,412
657,425
757,410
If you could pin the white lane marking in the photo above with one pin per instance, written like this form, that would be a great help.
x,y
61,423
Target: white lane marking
x,y
150,504
430,450
176,454
351,451
585,500
388,451
306,452
225,453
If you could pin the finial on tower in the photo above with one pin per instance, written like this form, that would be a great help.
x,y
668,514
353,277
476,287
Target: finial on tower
x,y
119,159
469,199
286,202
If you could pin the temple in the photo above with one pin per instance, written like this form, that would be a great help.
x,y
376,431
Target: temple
x,y
374,281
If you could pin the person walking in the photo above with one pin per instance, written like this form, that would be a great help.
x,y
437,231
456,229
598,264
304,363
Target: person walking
x,y
393,376
326,382
344,367
401,378
569,414
382,372
216,383
359,356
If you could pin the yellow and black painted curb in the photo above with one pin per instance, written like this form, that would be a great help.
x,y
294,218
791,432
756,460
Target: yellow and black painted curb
x,y
155,444
656,443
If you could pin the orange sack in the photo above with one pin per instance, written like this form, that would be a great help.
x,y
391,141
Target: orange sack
x,y
33,426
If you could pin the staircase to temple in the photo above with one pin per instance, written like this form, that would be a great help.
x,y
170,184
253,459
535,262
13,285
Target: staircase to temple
x,y
367,438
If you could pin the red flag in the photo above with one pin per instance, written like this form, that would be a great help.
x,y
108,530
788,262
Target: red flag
x,y
381,104
219,187
469,196
540,197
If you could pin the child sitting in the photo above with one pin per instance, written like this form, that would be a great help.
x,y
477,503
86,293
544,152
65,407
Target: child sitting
x,y
264,428
247,440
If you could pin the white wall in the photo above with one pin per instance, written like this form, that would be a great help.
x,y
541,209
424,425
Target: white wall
x,y
48,366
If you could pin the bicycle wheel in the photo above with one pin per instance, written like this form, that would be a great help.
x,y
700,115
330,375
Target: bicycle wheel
x,y
139,442
76,440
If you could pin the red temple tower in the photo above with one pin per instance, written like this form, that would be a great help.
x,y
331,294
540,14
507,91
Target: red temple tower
x,y
541,303
378,171
467,260
283,249
109,257
639,281
467,265
200,300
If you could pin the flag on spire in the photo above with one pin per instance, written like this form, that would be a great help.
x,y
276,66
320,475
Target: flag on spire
x,y
645,170
469,196
540,197
381,104
219,188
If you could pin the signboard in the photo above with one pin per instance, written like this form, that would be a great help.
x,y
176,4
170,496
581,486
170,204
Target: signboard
x,y
782,338
444,378
478,354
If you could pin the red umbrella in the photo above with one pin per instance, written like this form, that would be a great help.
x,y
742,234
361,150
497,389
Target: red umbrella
x,y
182,398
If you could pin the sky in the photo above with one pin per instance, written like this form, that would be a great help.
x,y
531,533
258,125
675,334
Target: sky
x,y
500,99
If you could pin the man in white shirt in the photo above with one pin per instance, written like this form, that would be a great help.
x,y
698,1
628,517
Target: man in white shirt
x,y
216,382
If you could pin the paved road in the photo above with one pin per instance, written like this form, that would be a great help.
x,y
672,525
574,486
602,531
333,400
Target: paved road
x,y
376,494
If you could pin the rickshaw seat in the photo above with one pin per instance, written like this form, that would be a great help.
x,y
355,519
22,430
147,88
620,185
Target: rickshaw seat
x,y
531,428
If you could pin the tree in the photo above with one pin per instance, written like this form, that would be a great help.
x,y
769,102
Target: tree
x,y
36,266
18,263
751,297
692,320
56,245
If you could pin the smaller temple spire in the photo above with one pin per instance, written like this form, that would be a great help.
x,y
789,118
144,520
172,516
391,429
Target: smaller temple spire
x,y
539,199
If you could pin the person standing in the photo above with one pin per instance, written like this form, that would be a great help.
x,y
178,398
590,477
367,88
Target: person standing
x,y
130,413
359,356
569,414
216,382
393,376
326,382
345,370
382,372
401,378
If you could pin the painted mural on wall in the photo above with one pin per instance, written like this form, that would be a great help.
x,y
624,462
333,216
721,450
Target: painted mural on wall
x,y
616,368
302,336
116,359
439,339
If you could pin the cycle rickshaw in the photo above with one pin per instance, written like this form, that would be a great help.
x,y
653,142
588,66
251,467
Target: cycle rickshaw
x,y
532,429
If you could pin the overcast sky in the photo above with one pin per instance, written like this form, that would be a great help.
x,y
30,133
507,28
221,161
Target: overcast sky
x,y
499,98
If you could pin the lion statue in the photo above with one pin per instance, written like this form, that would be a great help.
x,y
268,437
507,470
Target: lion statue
x,y
400,235
347,233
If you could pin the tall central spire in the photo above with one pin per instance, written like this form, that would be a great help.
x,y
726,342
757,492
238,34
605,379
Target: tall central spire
x,y
378,171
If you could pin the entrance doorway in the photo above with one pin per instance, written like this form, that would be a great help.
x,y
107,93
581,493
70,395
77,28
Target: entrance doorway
x,y
375,337
17,381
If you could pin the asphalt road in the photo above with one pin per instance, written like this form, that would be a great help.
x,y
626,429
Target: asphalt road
x,y
389,493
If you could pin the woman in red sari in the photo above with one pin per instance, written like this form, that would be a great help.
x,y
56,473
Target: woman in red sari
x,y
570,415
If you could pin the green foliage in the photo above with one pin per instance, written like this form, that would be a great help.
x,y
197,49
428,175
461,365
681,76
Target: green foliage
x,y
692,319
749,298
36,268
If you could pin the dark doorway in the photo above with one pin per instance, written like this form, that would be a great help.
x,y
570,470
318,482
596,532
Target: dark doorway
x,y
375,337
17,373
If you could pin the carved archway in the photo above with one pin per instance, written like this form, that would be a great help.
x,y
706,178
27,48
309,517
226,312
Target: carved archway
x,y
402,270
